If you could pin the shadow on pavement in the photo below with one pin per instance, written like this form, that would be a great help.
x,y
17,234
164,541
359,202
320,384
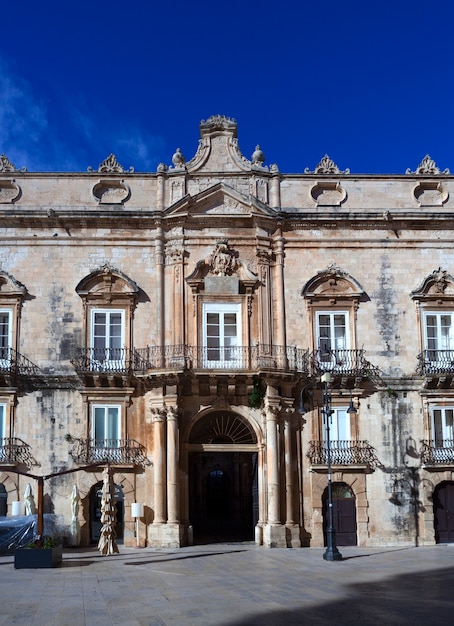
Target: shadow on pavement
x,y
410,599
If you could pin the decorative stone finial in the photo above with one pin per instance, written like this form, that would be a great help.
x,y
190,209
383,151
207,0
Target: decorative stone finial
x,y
7,166
162,167
427,167
178,159
326,166
258,158
110,165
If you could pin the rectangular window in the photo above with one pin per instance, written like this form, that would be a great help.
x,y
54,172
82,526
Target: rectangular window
x,y
333,340
222,335
5,337
339,426
108,338
106,425
439,337
442,425
2,421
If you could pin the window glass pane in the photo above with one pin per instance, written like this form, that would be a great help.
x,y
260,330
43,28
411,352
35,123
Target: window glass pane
x,y
449,434
2,421
112,422
4,329
99,419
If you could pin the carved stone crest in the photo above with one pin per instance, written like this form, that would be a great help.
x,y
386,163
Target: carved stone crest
x,y
223,260
427,167
110,165
7,166
326,166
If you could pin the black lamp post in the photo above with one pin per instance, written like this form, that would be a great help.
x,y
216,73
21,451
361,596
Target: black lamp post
x,y
331,553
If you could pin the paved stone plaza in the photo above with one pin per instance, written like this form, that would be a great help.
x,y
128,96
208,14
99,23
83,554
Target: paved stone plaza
x,y
233,585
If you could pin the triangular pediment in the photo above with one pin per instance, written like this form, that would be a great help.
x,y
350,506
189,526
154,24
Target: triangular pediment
x,y
220,200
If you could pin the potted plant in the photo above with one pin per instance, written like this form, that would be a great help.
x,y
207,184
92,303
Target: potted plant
x,y
39,554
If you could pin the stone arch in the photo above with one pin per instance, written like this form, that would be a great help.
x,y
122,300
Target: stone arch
x,y
333,283
357,483
221,426
107,282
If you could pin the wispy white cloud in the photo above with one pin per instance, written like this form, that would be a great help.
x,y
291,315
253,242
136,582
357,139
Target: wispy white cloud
x,y
66,131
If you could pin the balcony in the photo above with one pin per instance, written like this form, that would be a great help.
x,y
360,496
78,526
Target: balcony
x,y
13,366
436,363
345,453
107,360
234,358
109,451
437,452
344,363
14,451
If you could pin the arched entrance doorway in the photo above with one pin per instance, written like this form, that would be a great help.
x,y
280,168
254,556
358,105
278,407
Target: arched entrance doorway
x,y
344,514
444,512
95,512
223,492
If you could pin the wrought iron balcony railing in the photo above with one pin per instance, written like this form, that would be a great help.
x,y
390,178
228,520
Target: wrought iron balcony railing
x,y
343,362
14,451
11,362
433,362
257,357
114,451
107,360
437,452
342,453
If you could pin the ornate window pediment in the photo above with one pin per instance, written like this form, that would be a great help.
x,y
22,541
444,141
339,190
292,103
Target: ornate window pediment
x,y
333,284
438,286
222,264
107,285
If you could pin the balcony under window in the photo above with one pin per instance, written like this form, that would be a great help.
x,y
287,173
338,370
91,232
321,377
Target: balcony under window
x,y
437,453
353,454
14,367
118,452
343,363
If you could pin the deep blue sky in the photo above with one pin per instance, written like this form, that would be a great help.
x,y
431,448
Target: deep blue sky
x,y
370,83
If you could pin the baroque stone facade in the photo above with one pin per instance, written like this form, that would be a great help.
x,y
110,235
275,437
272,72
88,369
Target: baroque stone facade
x,y
175,325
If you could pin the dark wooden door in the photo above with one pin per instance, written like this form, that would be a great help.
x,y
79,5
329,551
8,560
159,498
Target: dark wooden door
x,y
444,513
344,515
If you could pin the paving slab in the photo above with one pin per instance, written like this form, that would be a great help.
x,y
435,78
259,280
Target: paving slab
x,y
233,585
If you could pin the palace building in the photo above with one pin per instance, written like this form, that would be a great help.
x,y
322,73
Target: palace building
x,y
176,325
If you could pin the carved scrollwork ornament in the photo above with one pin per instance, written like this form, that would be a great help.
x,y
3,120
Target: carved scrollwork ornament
x,y
7,166
326,166
158,414
427,167
110,165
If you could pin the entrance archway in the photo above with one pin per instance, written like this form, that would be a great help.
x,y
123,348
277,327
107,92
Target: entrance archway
x,y
344,514
95,512
223,492
443,500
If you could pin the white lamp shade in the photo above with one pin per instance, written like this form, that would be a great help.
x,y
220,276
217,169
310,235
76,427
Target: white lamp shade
x,y
17,508
137,509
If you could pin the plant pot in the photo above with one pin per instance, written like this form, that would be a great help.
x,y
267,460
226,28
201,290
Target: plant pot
x,y
34,558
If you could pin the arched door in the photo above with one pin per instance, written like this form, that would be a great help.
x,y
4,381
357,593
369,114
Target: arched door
x,y
95,512
444,512
223,494
3,501
344,514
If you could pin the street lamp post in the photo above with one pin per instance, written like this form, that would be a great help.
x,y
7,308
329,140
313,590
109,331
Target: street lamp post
x,y
331,553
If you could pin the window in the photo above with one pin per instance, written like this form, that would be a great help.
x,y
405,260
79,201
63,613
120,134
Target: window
x,y
2,421
332,333
5,337
339,426
106,425
442,425
222,335
439,337
108,338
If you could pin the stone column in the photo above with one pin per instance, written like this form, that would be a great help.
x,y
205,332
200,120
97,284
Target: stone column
x,y
280,293
289,512
173,463
273,531
160,304
159,469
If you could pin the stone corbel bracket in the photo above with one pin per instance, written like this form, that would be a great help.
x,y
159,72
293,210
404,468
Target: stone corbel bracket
x,y
9,191
430,193
327,193
111,192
